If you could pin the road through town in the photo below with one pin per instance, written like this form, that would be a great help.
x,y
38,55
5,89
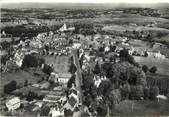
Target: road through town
x,y
78,75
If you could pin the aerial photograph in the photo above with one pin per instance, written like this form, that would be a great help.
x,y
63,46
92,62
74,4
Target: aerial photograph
x,y
84,58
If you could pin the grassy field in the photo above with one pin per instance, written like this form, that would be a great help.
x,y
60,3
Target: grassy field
x,y
162,39
139,44
121,28
142,108
161,64
60,63
19,77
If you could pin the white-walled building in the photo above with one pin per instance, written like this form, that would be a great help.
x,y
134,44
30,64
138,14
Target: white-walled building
x,y
19,56
13,103
156,55
64,77
76,45
61,77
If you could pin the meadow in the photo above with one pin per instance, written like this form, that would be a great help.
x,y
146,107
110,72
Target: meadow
x,y
20,77
161,64
142,108
61,64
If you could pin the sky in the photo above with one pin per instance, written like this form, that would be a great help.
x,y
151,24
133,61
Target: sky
x,y
86,1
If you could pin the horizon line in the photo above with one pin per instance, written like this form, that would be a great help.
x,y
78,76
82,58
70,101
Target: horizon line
x,y
89,2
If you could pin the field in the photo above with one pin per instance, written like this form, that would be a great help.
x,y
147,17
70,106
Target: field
x,y
121,28
60,63
19,77
142,108
161,64
139,44
9,39
162,39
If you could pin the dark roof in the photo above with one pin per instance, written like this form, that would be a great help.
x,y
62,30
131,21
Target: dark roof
x,y
73,91
72,101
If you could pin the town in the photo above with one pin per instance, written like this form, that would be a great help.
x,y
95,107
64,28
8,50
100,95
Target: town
x,y
83,68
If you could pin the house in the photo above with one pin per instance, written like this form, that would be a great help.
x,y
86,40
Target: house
x,y
58,88
73,99
158,46
36,43
97,82
63,28
51,98
76,45
56,113
156,54
60,77
38,105
19,56
54,76
63,99
35,85
97,36
45,85
71,103
71,29
64,77
107,48
13,104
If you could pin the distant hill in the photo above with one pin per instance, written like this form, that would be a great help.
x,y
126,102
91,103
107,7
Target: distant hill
x,y
82,5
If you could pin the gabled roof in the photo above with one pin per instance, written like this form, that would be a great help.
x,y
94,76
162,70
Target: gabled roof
x,y
72,101
64,75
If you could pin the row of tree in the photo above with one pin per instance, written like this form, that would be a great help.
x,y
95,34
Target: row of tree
x,y
151,70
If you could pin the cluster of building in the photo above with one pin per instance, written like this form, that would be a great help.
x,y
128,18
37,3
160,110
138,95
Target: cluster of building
x,y
58,104
61,44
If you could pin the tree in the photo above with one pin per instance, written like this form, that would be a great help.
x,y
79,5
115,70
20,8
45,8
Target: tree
x,y
101,49
154,91
153,69
145,54
125,91
72,68
101,111
70,41
107,68
5,45
97,69
71,81
4,59
132,94
47,69
124,53
81,60
45,111
112,58
112,48
88,85
105,88
26,83
31,96
145,68
30,61
114,97
146,93
41,61
8,88
139,92
125,56
131,60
